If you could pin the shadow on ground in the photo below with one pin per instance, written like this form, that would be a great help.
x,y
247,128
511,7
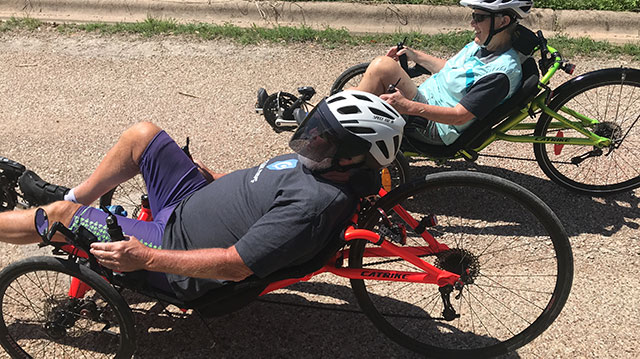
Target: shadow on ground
x,y
279,325
579,214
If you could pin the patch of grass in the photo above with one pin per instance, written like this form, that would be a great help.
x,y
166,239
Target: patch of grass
x,y
20,24
329,37
611,5
585,46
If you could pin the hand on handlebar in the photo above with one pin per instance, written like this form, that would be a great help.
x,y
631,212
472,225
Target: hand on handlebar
x,y
397,100
395,53
124,256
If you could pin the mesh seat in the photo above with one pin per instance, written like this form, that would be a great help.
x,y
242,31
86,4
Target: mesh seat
x,y
235,295
525,41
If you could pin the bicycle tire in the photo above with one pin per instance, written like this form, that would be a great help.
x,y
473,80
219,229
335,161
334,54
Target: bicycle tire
x,y
34,294
350,78
127,194
472,226
610,172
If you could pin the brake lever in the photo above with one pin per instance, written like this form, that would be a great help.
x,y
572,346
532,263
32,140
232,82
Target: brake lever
x,y
186,150
413,71
392,88
404,63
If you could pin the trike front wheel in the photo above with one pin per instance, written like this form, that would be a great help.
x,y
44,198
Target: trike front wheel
x,y
350,77
511,248
41,319
612,98
128,195
396,174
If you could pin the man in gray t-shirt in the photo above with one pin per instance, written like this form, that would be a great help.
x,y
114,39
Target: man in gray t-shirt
x,y
249,222
278,214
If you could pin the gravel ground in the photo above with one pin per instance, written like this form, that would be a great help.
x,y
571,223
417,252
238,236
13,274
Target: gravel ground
x,y
65,99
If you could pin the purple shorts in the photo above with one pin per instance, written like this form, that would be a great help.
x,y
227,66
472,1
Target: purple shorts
x,y
170,176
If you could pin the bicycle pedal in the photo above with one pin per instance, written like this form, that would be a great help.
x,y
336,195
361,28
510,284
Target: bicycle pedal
x,y
307,92
262,97
299,115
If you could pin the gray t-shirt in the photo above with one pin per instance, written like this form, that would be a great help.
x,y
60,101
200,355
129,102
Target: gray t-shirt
x,y
277,215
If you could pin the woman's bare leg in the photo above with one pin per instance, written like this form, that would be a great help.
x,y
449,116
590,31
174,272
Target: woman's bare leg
x,y
382,72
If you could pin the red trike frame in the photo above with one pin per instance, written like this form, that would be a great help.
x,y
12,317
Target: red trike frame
x,y
425,273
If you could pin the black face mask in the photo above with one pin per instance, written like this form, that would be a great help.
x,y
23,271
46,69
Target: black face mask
x,y
365,182
320,136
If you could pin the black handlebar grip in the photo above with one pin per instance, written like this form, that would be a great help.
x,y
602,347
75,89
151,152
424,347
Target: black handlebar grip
x,y
115,231
404,63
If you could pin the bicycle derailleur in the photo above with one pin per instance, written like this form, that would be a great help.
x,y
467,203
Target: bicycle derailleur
x,y
604,129
466,265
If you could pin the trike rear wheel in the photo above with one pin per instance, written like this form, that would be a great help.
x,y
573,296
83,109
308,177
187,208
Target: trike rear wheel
x,y
39,319
512,248
612,97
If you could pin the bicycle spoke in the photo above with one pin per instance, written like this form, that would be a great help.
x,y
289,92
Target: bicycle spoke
x,y
514,293
615,104
518,289
494,243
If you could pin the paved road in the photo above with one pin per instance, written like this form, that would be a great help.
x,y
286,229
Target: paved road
x,y
64,100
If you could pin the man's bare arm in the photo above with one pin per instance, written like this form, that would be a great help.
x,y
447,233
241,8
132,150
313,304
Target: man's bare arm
x,y
213,263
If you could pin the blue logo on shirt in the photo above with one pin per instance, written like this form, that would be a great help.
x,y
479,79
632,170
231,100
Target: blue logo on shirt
x,y
283,165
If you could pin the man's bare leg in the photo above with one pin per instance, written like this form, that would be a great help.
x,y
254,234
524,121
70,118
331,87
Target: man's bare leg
x,y
119,164
382,72
18,227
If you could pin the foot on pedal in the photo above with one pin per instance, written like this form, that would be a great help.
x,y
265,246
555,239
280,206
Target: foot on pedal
x,y
39,192
262,97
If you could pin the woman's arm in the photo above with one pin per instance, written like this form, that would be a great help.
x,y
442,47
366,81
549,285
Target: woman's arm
x,y
457,115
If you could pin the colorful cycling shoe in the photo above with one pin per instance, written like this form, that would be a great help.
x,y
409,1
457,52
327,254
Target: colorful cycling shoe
x,y
37,191
10,169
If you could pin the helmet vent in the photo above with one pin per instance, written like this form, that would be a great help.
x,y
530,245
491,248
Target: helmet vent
x,y
381,113
349,110
358,129
337,98
396,143
362,97
383,148
391,109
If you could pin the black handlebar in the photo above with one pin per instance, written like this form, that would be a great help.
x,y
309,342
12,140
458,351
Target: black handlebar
x,y
114,229
413,71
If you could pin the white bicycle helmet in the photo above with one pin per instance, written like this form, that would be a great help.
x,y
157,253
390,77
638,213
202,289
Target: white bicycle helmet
x,y
518,8
348,124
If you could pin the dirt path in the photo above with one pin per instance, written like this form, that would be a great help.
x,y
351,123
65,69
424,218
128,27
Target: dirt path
x,y
64,100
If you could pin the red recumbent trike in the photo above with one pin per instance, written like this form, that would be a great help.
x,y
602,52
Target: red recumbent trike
x,y
456,264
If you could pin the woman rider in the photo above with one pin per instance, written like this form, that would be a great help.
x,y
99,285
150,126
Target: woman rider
x,y
482,75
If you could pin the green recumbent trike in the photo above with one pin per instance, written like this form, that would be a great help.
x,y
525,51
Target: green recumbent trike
x,y
585,137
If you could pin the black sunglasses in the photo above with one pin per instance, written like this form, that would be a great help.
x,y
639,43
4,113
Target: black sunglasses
x,y
478,18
